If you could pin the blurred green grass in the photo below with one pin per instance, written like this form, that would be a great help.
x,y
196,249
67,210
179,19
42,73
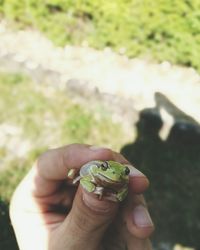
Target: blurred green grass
x,y
46,117
159,30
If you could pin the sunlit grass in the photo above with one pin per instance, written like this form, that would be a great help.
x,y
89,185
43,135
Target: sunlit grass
x,y
42,117
46,118
162,30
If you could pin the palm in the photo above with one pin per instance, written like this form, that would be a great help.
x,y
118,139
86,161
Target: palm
x,y
54,210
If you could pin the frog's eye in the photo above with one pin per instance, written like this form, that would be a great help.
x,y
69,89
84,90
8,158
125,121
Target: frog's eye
x,y
104,165
127,171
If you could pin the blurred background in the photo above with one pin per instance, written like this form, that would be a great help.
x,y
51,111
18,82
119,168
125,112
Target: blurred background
x,y
123,74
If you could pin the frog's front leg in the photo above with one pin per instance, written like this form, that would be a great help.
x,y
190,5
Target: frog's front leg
x,y
86,183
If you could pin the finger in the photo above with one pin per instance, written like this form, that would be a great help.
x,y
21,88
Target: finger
x,y
138,182
138,219
54,164
88,218
139,244
58,202
52,167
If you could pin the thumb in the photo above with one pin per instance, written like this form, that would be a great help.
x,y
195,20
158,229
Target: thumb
x,y
88,220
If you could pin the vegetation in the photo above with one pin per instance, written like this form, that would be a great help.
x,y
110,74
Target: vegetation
x,y
32,105
36,111
162,30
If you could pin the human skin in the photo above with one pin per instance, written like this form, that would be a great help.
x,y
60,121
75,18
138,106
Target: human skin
x,y
47,212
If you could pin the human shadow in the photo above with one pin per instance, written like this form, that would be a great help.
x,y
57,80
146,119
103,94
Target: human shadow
x,y
173,167
7,236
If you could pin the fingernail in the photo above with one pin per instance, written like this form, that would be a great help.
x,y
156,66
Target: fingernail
x,y
141,217
134,171
96,148
95,204
118,157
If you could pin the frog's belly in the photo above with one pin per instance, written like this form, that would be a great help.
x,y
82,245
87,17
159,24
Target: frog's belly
x,y
115,186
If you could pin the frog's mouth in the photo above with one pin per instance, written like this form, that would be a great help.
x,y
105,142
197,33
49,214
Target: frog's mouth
x,y
103,177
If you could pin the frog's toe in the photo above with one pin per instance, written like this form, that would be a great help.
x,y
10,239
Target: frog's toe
x,y
99,192
122,195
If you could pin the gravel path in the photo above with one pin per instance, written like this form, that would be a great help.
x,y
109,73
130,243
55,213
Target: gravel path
x,y
105,71
124,86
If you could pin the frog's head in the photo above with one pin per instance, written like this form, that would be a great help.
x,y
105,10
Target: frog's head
x,y
110,171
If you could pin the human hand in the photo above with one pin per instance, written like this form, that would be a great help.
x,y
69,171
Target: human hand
x,y
49,213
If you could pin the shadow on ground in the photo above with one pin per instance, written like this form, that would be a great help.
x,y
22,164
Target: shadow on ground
x,y
173,167
7,237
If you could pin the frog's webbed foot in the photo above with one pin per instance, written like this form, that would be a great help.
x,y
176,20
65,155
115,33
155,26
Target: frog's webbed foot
x,y
117,197
100,191
87,184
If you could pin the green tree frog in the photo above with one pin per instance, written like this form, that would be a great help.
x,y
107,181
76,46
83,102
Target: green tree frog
x,y
107,179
